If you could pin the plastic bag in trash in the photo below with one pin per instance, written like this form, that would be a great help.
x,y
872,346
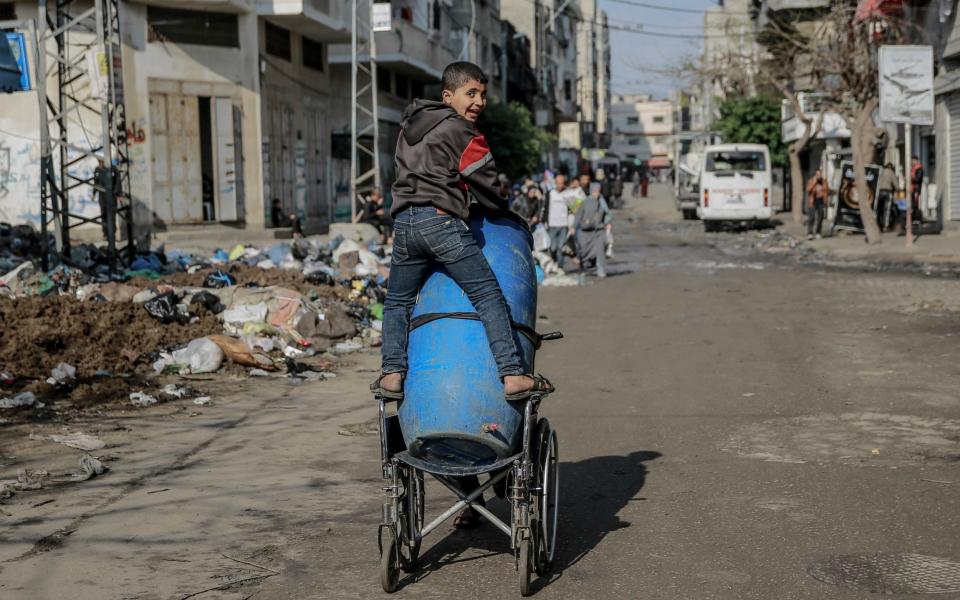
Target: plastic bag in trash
x,y
219,279
201,356
164,309
541,239
209,301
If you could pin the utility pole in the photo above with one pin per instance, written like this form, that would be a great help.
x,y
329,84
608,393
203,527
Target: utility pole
x,y
84,42
364,116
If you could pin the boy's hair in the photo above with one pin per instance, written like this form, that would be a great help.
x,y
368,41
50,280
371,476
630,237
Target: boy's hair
x,y
457,74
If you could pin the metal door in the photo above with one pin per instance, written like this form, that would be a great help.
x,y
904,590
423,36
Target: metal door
x,y
226,160
177,175
160,163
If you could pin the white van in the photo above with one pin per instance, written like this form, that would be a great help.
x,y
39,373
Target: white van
x,y
735,182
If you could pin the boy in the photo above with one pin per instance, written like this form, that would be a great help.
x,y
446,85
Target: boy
x,y
441,158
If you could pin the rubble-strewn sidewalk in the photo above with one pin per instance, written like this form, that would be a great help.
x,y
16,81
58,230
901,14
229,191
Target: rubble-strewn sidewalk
x,y
939,249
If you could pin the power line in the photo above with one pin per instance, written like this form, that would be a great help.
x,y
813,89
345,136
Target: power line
x,y
670,8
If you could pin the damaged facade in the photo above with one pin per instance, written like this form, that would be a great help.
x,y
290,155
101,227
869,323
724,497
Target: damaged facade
x,y
235,106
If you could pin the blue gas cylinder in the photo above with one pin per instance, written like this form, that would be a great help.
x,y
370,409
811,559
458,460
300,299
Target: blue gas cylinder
x,y
454,411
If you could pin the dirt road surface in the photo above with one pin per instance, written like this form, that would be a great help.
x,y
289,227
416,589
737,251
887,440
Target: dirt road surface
x,y
727,419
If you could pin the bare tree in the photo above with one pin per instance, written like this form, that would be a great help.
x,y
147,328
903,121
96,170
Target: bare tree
x,y
841,58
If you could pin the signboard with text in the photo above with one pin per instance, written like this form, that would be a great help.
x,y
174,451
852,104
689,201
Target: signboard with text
x,y
906,84
380,17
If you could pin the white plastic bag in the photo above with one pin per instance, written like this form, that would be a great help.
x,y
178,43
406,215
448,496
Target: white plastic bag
x,y
201,355
541,239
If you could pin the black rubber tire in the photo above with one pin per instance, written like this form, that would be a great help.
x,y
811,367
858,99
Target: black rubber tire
x,y
524,567
414,507
547,478
389,569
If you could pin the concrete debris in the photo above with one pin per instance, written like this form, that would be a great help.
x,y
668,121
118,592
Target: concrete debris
x,y
142,399
90,467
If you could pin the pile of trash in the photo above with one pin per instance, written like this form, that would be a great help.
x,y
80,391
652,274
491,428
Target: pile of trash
x,y
80,335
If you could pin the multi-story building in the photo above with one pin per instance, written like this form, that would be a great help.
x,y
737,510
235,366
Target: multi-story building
x,y
593,75
642,130
551,26
232,104
226,105
730,53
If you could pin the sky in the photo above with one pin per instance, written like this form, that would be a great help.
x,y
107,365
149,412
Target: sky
x,y
638,61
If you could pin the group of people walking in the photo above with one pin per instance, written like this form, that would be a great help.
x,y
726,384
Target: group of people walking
x,y
575,215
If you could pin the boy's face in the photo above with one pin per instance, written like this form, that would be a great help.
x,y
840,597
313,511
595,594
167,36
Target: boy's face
x,y
468,100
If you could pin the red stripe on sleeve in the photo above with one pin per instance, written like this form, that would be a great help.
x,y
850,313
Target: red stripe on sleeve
x,y
476,150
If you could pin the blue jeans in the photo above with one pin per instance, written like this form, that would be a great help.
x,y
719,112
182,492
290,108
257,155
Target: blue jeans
x,y
423,238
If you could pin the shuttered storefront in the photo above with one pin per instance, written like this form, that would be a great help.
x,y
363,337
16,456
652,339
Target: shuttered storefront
x,y
953,189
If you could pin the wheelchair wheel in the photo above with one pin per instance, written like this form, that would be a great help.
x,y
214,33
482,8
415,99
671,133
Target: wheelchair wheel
x,y
524,566
547,500
389,567
411,519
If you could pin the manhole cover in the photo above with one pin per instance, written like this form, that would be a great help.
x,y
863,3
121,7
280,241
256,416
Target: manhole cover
x,y
890,573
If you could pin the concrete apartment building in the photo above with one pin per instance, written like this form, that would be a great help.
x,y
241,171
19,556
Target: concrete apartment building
x,y
231,104
642,129
226,103
730,53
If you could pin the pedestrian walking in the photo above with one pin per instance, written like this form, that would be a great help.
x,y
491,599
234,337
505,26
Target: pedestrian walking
x,y
590,225
635,179
817,193
916,184
886,197
559,204
644,180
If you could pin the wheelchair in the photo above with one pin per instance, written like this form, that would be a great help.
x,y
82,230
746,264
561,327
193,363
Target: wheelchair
x,y
529,480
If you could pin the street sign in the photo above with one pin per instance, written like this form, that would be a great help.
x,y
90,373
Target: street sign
x,y
906,84
380,18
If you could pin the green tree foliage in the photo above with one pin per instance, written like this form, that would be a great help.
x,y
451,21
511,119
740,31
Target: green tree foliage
x,y
517,144
753,121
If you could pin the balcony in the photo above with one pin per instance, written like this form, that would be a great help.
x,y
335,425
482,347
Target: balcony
x,y
224,6
320,20
407,49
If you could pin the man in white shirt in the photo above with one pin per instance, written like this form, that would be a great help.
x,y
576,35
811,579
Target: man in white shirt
x,y
558,209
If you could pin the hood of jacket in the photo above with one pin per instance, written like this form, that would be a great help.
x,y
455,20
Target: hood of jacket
x,y
421,117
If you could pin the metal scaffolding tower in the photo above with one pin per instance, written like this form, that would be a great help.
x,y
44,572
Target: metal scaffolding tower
x,y
82,121
364,119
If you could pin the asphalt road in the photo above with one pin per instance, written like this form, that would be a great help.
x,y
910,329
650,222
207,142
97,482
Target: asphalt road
x,y
725,422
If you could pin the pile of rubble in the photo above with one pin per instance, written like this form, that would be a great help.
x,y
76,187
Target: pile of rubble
x,y
79,335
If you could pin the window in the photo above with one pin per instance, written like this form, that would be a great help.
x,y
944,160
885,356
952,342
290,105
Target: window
x,y
383,79
402,84
633,120
416,87
633,141
312,54
7,12
436,15
567,89
735,161
659,119
197,27
278,41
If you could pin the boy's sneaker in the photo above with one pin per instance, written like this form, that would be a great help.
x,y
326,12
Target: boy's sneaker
x,y
819,237
809,236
